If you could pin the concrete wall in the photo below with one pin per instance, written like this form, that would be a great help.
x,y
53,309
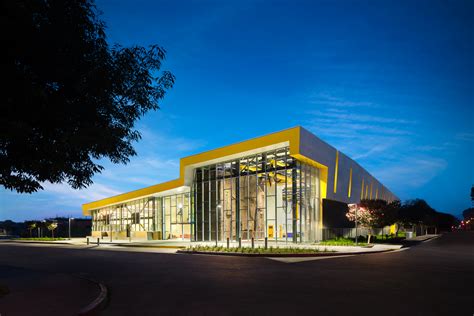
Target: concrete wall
x,y
320,151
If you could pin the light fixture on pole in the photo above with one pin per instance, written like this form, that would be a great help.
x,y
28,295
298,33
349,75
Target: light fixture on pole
x,y
357,235
41,230
355,207
180,213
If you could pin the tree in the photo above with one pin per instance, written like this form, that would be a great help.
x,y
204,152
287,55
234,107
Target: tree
x,y
31,226
374,213
445,221
468,214
468,221
392,214
51,227
417,211
367,214
69,99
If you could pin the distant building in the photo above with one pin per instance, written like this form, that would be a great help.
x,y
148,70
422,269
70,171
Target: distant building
x,y
285,186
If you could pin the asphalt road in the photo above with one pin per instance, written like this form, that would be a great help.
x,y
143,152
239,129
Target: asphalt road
x,y
433,278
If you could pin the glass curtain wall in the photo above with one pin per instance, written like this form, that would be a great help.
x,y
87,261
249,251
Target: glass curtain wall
x,y
168,216
176,216
138,215
269,194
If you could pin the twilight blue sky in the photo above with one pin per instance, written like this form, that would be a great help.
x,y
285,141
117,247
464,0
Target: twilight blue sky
x,y
390,83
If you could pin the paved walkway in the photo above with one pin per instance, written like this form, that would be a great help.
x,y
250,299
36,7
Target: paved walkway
x,y
173,245
176,244
423,237
433,278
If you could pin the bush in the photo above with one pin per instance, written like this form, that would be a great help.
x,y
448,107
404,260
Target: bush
x,y
41,239
258,250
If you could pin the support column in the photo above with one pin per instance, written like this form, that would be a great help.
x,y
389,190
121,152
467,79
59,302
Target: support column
x,y
294,204
237,204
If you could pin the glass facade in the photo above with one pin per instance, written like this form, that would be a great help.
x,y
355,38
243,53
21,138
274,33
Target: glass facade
x,y
269,194
266,195
164,217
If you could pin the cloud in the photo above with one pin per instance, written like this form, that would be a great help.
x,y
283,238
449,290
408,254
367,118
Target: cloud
x,y
64,193
410,173
326,99
344,115
157,161
468,137
155,142
381,139
353,127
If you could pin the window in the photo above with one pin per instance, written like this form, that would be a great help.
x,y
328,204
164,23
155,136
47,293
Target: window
x,y
136,218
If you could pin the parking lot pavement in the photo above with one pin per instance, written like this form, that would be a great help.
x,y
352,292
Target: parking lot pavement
x,y
42,292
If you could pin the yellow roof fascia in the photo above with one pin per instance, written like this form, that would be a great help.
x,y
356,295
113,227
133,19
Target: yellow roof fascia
x,y
86,208
291,135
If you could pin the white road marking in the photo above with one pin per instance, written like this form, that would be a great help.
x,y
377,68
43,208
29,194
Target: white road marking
x,y
302,259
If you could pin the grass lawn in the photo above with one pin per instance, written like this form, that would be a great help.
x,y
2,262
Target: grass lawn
x,y
377,239
257,250
41,239
342,242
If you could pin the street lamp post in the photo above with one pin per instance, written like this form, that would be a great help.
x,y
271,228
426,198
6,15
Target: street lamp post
x,y
357,234
217,220
41,230
70,220
180,213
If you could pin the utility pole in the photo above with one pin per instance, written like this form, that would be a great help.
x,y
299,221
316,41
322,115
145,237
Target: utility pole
x,y
357,234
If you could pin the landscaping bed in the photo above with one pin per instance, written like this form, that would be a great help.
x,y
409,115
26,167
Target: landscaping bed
x,y
40,239
362,241
258,251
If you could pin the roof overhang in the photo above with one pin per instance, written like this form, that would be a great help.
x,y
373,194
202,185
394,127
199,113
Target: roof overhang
x,y
289,137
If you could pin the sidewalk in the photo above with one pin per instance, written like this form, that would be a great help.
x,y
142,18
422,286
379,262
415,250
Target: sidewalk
x,y
34,292
422,237
169,245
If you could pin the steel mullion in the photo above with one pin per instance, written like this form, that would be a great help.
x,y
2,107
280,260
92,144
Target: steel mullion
x,y
301,206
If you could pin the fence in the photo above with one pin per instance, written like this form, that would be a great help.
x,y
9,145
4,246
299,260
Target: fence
x,y
331,233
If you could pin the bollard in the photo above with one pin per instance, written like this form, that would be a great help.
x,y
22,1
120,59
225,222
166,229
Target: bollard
x,y
227,242
240,242
88,241
98,241
266,242
253,245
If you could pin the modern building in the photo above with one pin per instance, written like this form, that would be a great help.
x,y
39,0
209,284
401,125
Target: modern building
x,y
281,186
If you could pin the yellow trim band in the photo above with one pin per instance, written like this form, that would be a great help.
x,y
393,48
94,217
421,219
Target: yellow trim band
x,y
336,170
350,184
292,136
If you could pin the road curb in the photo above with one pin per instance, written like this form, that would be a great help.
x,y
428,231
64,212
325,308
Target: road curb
x,y
432,238
40,242
282,255
151,246
99,302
